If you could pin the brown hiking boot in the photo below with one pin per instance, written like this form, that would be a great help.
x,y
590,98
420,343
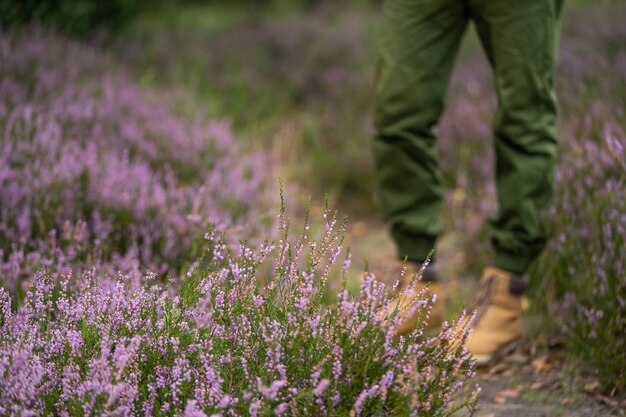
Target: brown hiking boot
x,y
411,286
498,305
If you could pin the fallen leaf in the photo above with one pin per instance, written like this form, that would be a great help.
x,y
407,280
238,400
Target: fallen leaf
x,y
518,358
497,369
541,364
499,400
487,415
536,385
591,387
508,393
503,396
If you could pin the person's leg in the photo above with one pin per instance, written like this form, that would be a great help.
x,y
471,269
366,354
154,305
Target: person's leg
x,y
419,41
520,38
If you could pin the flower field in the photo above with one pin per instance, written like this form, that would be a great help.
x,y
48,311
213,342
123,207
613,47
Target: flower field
x,y
90,163
140,277
144,269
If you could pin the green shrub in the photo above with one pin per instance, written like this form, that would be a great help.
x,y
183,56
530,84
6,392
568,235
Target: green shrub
x,y
75,17
246,332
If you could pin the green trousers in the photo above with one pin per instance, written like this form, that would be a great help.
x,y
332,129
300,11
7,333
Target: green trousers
x,y
419,43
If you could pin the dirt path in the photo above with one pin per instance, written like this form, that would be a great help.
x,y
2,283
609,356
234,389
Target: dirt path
x,y
522,385
526,386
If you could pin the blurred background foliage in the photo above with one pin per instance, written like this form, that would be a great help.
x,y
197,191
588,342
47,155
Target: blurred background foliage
x,y
84,17
75,17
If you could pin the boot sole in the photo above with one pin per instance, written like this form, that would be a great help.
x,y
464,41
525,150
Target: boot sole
x,y
483,359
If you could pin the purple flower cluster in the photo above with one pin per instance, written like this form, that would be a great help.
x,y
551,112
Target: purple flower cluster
x,y
91,163
246,333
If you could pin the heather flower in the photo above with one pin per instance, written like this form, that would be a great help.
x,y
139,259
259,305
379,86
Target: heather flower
x,y
321,387
204,346
96,171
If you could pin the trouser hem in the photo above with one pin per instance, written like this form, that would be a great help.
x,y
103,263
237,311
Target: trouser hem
x,y
414,248
512,262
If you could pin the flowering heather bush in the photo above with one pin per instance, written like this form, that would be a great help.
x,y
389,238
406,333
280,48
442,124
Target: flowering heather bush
x,y
585,265
244,334
88,162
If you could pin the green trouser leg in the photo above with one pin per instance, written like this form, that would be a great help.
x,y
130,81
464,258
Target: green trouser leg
x,y
520,40
419,41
